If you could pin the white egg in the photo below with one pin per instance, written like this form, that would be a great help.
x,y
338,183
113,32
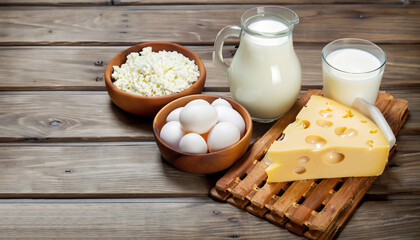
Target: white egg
x,y
193,143
225,114
197,102
198,118
171,133
223,135
174,115
221,102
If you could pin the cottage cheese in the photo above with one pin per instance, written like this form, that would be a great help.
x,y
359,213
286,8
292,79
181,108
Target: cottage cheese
x,y
155,73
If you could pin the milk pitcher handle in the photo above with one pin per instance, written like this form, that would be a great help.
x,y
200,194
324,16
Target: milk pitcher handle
x,y
228,31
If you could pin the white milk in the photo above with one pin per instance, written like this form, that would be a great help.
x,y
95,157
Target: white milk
x,y
265,74
358,75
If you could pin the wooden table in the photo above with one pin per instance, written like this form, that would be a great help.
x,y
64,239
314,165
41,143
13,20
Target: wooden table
x,y
73,165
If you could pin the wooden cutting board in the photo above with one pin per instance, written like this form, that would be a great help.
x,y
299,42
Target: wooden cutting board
x,y
316,209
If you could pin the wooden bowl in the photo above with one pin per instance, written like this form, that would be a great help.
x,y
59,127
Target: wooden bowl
x,y
202,163
149,106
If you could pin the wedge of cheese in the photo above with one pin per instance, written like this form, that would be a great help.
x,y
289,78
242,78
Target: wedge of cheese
x,y
327,140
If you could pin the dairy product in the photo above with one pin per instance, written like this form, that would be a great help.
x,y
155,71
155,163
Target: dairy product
x,y
351,73
265,73
155,73
327,140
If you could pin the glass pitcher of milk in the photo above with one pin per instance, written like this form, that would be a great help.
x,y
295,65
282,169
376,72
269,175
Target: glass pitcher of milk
x,y
265,73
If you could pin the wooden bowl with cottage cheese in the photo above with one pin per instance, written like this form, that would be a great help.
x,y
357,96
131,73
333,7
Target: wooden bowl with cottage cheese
x,y
126,95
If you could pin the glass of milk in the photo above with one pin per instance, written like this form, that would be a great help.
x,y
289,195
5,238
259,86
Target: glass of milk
x,y
265,73
352,68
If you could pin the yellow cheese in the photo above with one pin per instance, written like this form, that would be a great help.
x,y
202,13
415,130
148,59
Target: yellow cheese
x,y
327,140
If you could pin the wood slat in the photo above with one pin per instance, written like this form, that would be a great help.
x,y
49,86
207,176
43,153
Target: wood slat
x,y
74,68
263,2
82,68
292,196
340,201
198,24
78,116
261,198
397,173
204,218
91,170
300,213
248,184
182,2
137,170
70,117
53,2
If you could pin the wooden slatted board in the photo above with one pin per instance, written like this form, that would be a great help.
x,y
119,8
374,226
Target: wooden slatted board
x,y
316,209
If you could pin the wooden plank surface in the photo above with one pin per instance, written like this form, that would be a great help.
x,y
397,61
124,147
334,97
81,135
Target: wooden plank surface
x,y
78,116
137,170
91,116
263,2
54,2
93,170
198,24
61,137
187,218
82,68
197,2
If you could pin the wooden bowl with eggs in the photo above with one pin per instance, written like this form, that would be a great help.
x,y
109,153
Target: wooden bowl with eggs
x,y
145,105
204,163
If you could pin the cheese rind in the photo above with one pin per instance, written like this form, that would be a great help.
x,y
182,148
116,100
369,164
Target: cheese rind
x,y
327,140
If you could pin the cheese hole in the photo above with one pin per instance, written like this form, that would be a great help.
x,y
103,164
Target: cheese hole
x,y
305,124
326,113
300,170
303,159
332,157
302,124
369,143
317,141
324,123
346,132
373,131
348,114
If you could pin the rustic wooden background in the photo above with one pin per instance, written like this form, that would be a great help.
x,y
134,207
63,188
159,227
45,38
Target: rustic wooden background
x,y
73,165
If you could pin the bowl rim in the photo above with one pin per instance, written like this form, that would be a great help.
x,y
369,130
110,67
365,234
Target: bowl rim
x,y
248,128
109,68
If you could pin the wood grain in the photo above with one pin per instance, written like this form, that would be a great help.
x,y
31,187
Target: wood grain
x,y
69,117
54,2
84,116
92,170
181,2
61,137
263,2
198,25
57,170
66,116
73,219
82,68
